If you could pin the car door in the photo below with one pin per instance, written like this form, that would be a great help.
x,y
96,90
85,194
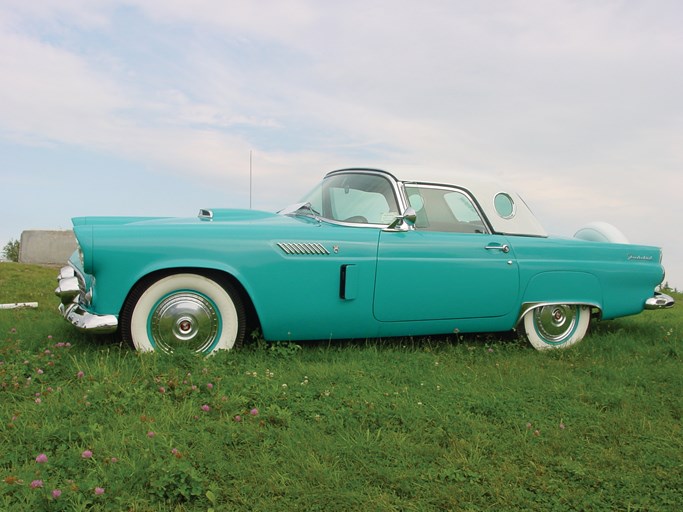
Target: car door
x,y
449,267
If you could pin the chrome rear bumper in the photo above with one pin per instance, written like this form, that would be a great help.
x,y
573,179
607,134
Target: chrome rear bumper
x,y
71,291
659,301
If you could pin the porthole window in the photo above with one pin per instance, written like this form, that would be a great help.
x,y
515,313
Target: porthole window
x,y
505,206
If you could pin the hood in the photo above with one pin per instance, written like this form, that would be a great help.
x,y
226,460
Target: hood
x,y
229,214
205,215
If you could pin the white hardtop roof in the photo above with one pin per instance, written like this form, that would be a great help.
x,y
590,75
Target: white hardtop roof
x,y
522,221
484,192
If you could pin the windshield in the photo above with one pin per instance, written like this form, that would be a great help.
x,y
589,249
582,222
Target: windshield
x,y
354,197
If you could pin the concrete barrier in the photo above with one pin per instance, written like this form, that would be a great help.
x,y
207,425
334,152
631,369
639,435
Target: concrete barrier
x,y
46,247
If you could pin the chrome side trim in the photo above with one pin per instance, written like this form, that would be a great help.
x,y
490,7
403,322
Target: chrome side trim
x,y
659,301
302,249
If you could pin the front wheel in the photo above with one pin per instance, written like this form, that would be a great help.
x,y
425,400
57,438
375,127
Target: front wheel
x,y
183,311
556,325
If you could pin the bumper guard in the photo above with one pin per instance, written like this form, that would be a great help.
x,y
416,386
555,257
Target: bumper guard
x,y
71,291
659,301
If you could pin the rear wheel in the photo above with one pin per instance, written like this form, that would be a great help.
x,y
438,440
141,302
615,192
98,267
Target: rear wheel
x,y
183,311
556,325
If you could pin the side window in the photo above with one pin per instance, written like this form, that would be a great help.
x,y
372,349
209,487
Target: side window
x,y
440,209
462,207
417,202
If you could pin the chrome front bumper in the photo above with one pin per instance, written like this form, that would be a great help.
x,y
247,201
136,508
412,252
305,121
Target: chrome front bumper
x,y
659,301
71,291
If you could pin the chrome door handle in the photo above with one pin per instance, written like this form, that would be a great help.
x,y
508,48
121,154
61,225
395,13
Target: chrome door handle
x,y
495,247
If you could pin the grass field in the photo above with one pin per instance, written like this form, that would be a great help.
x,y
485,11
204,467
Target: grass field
x,y
461,423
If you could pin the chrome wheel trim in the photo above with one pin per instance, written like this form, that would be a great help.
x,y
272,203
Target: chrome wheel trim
x,y
556,326
556,322
184,319
208,295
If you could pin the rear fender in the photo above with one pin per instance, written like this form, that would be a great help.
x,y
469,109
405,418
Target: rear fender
x,y
562,287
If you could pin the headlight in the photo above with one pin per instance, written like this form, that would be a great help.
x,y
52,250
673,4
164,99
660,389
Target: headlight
x,y
84,235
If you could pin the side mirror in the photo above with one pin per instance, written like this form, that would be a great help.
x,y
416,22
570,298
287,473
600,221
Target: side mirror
x,y
410,216
404,222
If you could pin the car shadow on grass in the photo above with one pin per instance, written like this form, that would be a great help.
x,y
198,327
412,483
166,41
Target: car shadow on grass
x,y
411,343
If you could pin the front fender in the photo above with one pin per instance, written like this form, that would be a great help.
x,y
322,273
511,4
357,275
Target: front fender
x,y
118,294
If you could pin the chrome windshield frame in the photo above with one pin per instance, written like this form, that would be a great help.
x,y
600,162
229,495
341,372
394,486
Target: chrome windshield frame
x,y
396,187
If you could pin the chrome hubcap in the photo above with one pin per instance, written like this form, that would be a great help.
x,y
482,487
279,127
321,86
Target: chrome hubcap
x,y
184,319
556,322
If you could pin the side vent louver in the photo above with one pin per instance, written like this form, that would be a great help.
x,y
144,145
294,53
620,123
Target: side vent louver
x,y
303,248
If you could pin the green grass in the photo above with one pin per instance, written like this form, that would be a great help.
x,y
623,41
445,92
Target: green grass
x,y
467,423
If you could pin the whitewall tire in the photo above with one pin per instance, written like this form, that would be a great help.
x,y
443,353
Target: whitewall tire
x,y
183,311
556,325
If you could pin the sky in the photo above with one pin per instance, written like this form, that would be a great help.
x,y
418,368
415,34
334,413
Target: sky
x,y
155,107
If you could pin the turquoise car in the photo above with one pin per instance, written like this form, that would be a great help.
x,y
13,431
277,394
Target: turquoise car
x,y
363,255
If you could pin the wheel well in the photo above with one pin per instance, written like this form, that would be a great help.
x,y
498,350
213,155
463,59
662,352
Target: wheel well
x,y
596,310
221,277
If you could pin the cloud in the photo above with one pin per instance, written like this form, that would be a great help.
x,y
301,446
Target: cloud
x,y
465,85
51,94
